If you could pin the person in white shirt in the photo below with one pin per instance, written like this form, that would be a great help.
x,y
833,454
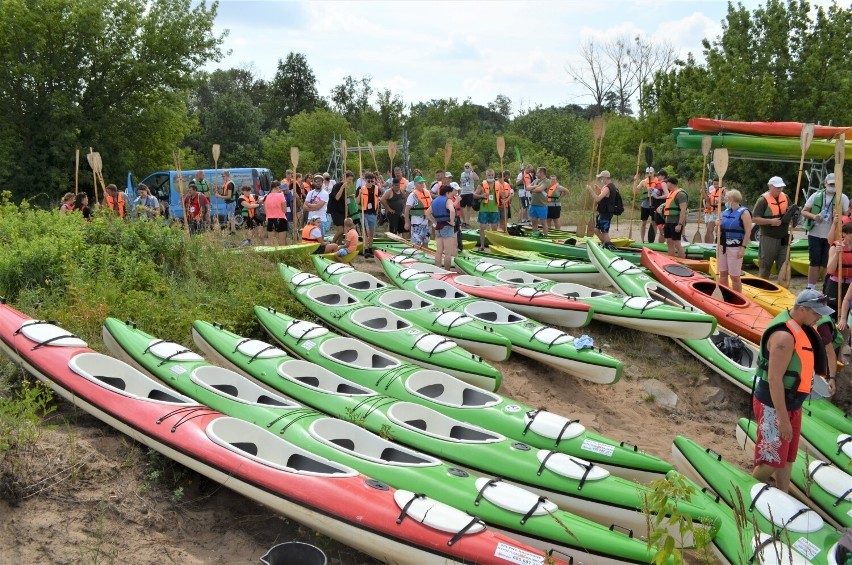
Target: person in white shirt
x,y
469,179
316,203
819,221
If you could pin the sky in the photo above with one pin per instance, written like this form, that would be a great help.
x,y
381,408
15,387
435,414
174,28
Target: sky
x,y
424,50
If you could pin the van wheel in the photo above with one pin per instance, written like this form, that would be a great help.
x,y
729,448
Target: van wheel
x,y
755,233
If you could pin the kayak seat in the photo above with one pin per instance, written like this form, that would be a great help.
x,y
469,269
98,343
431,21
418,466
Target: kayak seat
x,y
488,316
596,293
491,312
468,434
335,299
248,447
432,391
317,377
360,285
448,390
403,300
345,443
356,440
114,382
269,401
420,424
344,388
380,362
346,355
679,270
384,324
393,455
571,294
473,397
402,305
310,381
308,464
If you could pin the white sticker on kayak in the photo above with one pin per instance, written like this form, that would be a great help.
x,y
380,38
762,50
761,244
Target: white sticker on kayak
x,y
511,408
598,447
806,548
412,331
308,345
178,369
517,555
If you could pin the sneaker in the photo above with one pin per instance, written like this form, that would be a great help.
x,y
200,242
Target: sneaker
x,y
245,243
368,252
608,245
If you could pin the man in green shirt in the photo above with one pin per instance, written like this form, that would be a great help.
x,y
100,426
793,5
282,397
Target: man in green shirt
x,y
538,204
489,216
200,184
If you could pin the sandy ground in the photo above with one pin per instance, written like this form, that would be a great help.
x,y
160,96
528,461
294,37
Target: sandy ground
x,y
87,497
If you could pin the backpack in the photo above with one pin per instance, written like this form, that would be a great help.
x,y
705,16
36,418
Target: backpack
x,y
615,204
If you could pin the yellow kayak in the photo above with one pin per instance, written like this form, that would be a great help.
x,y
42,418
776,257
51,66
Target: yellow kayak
x,y
799,263
771,297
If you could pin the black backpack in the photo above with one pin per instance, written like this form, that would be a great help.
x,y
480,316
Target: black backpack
x,y
615,204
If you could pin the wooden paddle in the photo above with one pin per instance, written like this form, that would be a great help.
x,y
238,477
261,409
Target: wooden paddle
x,y
501,150
215,191
839,155
590,227
597,126
373,155
633,201
706,144
391,154
651,236
76,172
357,192
804,141
344,149
90,157
720,164
294,159
407,242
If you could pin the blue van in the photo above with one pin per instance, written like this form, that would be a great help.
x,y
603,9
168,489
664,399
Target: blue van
x,y
164,185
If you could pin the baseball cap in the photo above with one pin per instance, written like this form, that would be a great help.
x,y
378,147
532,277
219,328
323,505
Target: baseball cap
x,y
448,174
419,179
777,182
326,176
829,178
603,175
815,300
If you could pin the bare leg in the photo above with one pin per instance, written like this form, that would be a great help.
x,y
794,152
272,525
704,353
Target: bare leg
x,y
737,283
723,278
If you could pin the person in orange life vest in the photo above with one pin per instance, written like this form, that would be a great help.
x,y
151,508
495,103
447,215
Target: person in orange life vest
x,y
791,352
275,205
439,180
312,233
734,235
228,193
505,193
351,238
247,207
197,208
66,205
554,206
600,195
403,182
337,198
81,204
821,227
489,215
368,200
711,199
840,251
442,215
770,213
115,201
646,185
416,205
674,211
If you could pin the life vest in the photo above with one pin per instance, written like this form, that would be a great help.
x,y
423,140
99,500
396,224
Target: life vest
x,y
366,200
111,203
731,229
439,209
819,200
846,267
424,202
195,211
808,357
503,192
654,183
233,197
671,207
775,208
550,192
402,182
713,196
836,336
306,234
68,207
247,212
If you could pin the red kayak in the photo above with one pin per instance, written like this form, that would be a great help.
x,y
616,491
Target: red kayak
x,y
539,305
394,526
778,129
733,311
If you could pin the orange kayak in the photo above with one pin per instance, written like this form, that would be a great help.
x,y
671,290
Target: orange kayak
x,y
780,129
732,309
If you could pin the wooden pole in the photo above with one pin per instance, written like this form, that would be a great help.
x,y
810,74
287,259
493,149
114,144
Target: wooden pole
x,y
76,171
720,163
706,144
804,141
633,202
839,157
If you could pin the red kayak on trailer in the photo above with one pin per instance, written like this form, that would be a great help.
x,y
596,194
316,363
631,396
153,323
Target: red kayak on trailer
x,y
778,129
539,305
733,310
391,525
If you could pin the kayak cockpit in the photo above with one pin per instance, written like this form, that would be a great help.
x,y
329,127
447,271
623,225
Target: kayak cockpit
x,y
254,442
319,378
709,287
445,389
403,300
468,280
572,290
357,354
492,313
361,281
357,441
331,295
230,384
737,350
429,422
120,377
512,276
373,318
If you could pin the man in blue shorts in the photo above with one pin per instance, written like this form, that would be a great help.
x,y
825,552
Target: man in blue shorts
x,y
601,198
489,215
538,202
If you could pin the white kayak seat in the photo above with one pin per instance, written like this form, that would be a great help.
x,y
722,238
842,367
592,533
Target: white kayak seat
x,y
436,514
356,353
452,319
512,498
640,303
512,276
257,349
783,510
493,313
552,426
624,267
355,440
171,351
378,319
403,300
433,343
428,268
561,263
361,281
531,293
123,379
301,329
319,378
551,336
487,267
410,251
337,268
225,382
46,332
305,279
331,295
570,466
834,481
401,258
432,423
410,274
269,449
770,551
844,445
441,290
442,388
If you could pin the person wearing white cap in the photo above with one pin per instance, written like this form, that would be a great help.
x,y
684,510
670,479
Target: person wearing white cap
x,y
712,197
648,185
819,223
772,212
791,354
601,195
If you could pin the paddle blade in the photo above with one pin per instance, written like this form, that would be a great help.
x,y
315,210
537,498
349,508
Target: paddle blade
x,y
784,274
448,153
215,152
99,164
90,159
501,146
649,155
371,149
590,227
840,151
706,145
697,237
294,157
720,162
343,151
807,136
392,150
598,127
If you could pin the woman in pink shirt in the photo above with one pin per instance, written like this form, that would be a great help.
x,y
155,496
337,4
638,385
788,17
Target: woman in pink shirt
x,y
276,214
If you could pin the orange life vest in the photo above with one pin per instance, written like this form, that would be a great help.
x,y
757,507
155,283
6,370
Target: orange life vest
x,y
365,199
550,192
306,234
425,198
111,203
503,192
778,206
713,199
846,267
670,207
250,199
69,207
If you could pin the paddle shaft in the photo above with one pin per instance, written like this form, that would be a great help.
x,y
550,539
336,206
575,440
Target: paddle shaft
x,y
839,149
805,142
633,201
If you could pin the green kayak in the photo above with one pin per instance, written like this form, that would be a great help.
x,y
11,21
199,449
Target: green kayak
x,y
823,410
496,502
548,345
385,329
760,146
637,313
822,486
369,367
471,334
810,538
556,249
826,442
574,484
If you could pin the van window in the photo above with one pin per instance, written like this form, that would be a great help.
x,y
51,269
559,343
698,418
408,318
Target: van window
x,y
159,185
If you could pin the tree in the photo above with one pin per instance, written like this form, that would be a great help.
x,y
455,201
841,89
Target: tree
x,y
351,98
594,73
112,74
293,90
647,58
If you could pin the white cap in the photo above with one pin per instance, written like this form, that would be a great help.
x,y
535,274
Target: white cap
x,y
603,175
777,182
829,178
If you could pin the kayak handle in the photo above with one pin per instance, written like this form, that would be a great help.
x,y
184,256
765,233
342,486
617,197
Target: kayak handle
x,y
464,530
551,551
629,532
715,495
628,444
712,452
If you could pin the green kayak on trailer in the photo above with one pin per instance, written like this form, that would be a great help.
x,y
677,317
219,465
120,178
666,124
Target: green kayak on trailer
x,y
386,330
369,367
495,502
574,484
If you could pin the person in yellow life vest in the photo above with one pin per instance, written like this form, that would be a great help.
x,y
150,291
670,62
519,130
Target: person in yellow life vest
x,y
312,233
770,212
416,205
489,217
711,199
791,353
115,201
674,212
554,205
